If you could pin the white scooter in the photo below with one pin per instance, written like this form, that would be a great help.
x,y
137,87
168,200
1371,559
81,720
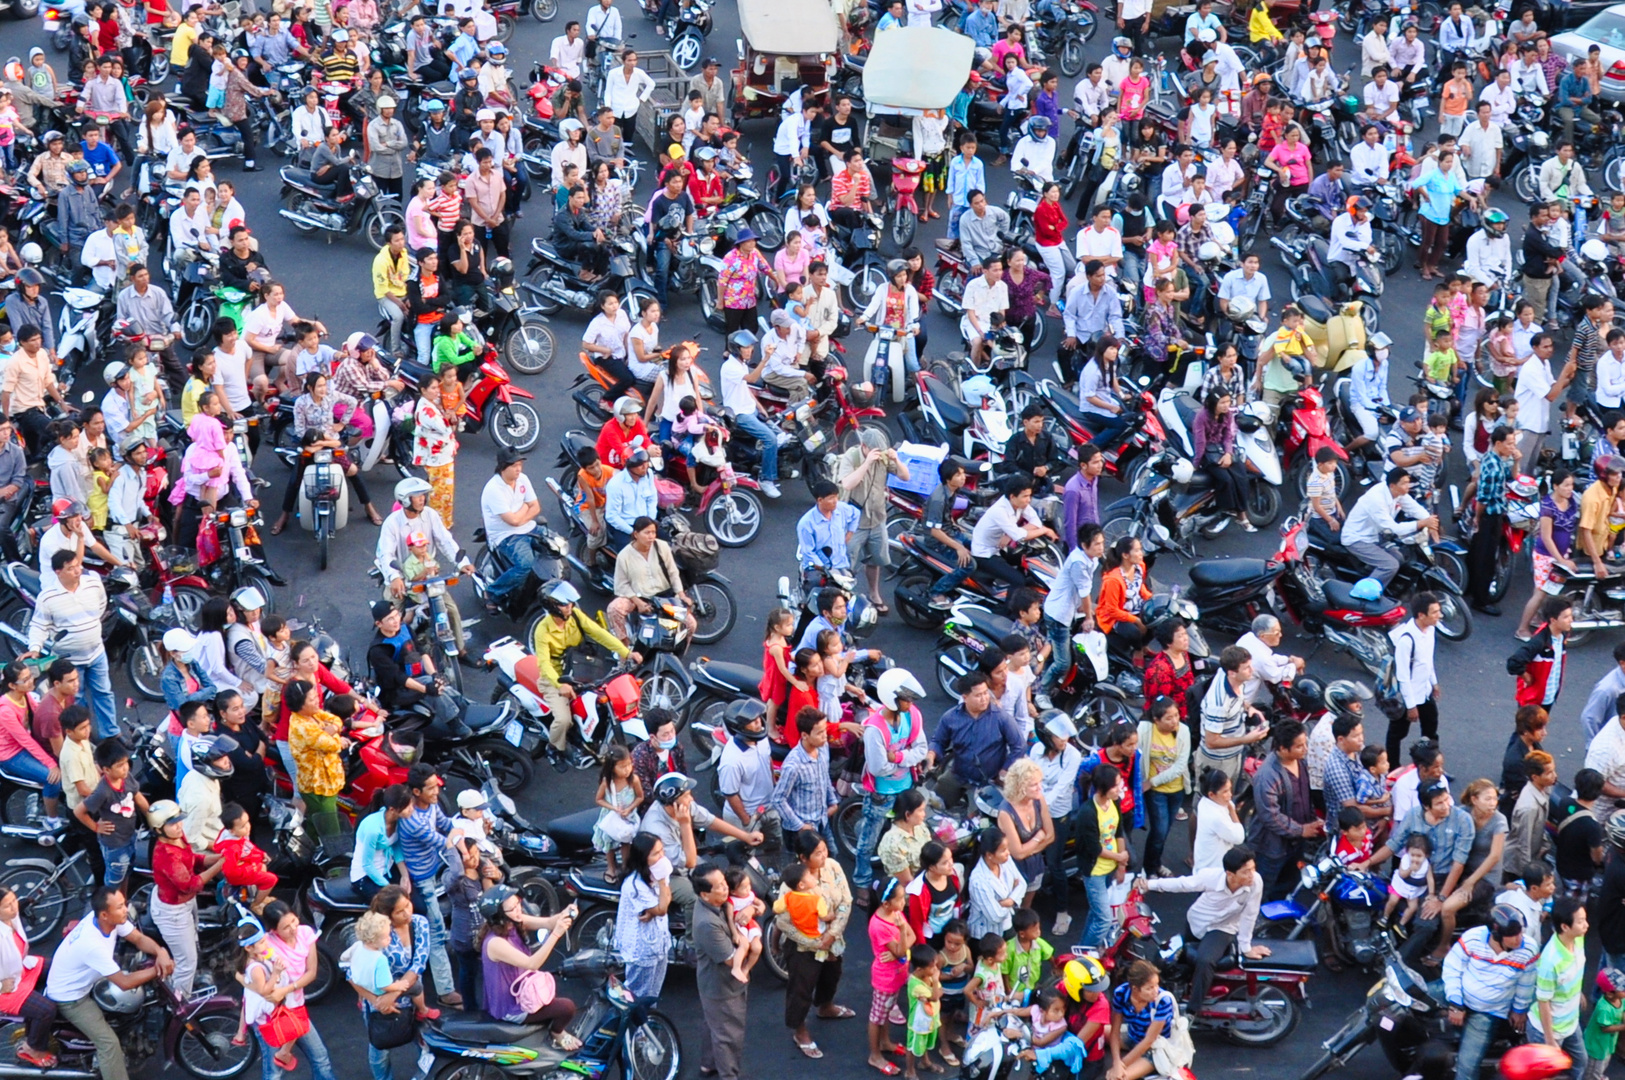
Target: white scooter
x,y
77,342
887,358
1177,407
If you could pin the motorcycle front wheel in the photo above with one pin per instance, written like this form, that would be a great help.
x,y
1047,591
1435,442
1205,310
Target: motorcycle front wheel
x,y
596,930
1072,57
768,225
206,1050
1263,504
1272,1016
711,300
686,50
1455,619
653,1050
197,321
145,665
734,517
534,889
1119,527
379,223
530,347
505,27
544,10
322,538
515,425
903,223
510,766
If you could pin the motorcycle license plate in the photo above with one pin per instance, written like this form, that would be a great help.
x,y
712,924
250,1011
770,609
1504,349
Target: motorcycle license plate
x,y
814,441
243,552
514,732
1553,588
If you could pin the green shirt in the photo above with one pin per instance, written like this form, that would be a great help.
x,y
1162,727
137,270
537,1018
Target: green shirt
x,y
1599,1043
453,350
1557,979
1440,365
1437,321
1023,969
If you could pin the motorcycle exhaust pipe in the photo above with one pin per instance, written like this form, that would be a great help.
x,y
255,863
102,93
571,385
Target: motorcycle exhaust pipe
x,y
57,1073
1598,624
313,221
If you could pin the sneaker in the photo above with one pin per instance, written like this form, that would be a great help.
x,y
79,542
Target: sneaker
x,y
51,824
941,602
1247,526
1042,700
1063,923
1182,815
784,438
769,488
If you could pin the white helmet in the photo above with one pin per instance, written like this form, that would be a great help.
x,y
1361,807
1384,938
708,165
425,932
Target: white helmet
x,y
1209,251
1594,250
898,681
114,371
1182,471
31,253
412,485
1241,308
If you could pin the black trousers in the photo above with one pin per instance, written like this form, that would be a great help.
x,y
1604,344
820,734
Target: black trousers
x,y
245,128
629,128
624,379
9,509
495,238
1229,484
812,984
738,319
1209,951
1427,714
1001,569
1481,552
32,423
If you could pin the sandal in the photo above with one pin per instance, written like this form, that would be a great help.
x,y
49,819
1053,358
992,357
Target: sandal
x,y
281,523
841,1013
885,1069
948,1056
567,1042
37,1058
428,1014
810,1050
287,1064
881,608
374,516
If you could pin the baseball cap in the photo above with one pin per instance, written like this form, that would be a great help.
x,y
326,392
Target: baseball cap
x,y
1409,415
1610,980
780,317
470,799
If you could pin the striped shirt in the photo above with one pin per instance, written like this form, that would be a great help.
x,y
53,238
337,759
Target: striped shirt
x,y
446,208
1136,1022
421,838
1479,979
1558,977
804,793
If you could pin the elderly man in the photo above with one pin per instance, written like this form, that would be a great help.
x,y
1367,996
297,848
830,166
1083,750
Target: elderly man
x,y
72,606
864,473
783,350
1269,666
723,997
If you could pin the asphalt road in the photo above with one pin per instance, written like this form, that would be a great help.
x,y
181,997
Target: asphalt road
x,y
330,281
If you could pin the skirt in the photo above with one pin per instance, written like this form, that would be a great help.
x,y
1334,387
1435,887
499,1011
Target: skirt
x,y
443,497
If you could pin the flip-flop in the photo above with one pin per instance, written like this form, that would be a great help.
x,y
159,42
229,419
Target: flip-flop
x,y
841,1013
948,1058
810,1050
567,1042
881,608
886,1070
38,1059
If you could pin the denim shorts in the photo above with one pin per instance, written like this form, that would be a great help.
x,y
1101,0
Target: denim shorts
x,y
119,861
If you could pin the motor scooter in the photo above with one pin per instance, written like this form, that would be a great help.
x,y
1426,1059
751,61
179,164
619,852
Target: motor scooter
x,y
1177,406
886,363
906,173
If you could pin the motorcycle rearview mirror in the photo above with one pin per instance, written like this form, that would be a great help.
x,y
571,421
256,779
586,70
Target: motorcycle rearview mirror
x,y
90,395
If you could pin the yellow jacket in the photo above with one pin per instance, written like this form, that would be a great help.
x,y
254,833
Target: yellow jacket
x,y
389,275
1261,28
316,760
553,638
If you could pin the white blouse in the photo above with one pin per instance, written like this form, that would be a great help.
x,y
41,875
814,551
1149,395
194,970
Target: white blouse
x,y
609,334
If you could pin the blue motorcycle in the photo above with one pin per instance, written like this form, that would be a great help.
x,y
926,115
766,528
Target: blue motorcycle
x,y
1332,899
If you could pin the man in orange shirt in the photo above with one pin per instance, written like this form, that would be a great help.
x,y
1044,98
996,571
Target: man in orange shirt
x,y
852,188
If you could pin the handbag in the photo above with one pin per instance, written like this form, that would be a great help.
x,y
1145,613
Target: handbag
x,y
386,1031
533,990
1174,1050
285,1025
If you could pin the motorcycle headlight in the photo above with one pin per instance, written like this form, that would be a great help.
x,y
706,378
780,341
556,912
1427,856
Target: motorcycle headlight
x,y
708,245
1394,990
1309,878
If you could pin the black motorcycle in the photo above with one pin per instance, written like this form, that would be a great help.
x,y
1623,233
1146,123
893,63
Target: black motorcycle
x,y
1400,1012
317,207
554,282
1424,566
1063,29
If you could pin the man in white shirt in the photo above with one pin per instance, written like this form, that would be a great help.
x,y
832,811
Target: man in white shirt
x,y
1413,667
1035,151
1528,77
625,90
1091,96
1222,917
1369,158
1381,96
187,225
1269,666
1375,513
784,351
509,510
1489,250
566,52
922,12
1010,520
1351,234
1134,21
604,24
1481,143
738,398
1245,282
1427,762
1502,99
1536,389
984,297
1606,754
231,359
1101,241
100,253
792,141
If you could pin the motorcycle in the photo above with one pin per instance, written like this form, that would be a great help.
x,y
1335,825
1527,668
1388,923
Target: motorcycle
x,y
555,282
1343,903
1424,565
324,500
494,399
315,207
686,30
1062,30
906,173
1310,259
885,364
970,415
1399,1011
1170,504
1599,603
1254,444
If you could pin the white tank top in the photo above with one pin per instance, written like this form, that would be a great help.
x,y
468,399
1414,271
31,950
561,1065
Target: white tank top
x,y
675,393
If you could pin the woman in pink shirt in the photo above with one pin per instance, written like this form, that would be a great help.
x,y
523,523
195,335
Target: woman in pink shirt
x,y
20,754
793,257
1133,93
1011,44
1290,155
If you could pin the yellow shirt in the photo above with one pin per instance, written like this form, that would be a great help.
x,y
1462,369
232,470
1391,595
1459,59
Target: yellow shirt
x,y
552,640
78,762
317,765
97,498
189,394
389,275
1164,752
181,48
1108,839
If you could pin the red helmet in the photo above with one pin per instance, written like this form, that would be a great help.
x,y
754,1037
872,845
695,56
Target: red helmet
x,y
1534,1061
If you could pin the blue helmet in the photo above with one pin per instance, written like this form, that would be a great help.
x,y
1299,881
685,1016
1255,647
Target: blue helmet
x,y
1367,589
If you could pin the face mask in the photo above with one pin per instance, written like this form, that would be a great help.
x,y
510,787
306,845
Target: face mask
x,y
660,869
666,744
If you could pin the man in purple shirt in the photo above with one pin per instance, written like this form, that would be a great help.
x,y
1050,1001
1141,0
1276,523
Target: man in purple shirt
x,y
1081,498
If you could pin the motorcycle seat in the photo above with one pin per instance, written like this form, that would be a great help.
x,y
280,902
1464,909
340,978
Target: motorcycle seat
x,y
19,780
542,249
174,418
339,892
574,830
1339,594
445,91
524,673
1221,573
478,1029
1315,309
1185,407
1290,955
27,579
306,178
949,407
989,623
741,677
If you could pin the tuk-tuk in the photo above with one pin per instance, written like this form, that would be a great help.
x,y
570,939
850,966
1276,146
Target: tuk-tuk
x,y
912,71
783,47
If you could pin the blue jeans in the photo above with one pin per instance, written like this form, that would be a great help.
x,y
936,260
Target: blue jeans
x,y
28,767
1161,806
955,212
756,428
1100,910
519,551
426,901
423,335
1069,1049
662,261
876,808
321,1066
1476,1034
954,578
119,861
98,685
1060,657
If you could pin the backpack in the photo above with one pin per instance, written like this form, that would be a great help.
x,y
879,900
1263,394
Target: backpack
x,y
697,553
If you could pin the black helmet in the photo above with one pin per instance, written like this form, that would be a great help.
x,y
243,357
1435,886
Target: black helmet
x,y
207,751
741,714
1349,697
669,787
557,595
640,456
1505,921
1308,694
492,899
29,276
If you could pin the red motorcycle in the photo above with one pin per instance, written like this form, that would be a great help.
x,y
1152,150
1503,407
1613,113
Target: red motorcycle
x,y
378,758
1300,431
850,414
1129,451
906,173
492,397
1250,1002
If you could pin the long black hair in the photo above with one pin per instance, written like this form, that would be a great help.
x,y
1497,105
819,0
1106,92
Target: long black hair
x,y
637,856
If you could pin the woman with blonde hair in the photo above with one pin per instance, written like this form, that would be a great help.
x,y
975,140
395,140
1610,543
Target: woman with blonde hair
x,y
1025,821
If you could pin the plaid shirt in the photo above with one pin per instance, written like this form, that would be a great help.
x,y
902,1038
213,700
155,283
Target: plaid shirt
x,y
354,379
1494,472
804,793
1340,780
1235,385
1160,680
1190,241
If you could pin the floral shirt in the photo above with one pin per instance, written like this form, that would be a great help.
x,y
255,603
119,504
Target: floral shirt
x,y
1161,330
315,745
1024,294
737,281
309,413
434,441
401,959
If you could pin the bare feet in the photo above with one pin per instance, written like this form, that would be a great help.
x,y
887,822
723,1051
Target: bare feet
x,y
740,975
